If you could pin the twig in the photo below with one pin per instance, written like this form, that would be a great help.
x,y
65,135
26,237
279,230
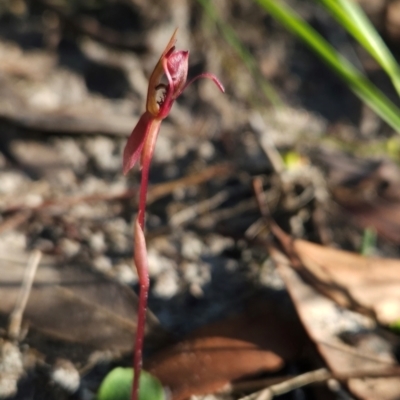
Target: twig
x,y
14,221
14,327
189,213
294,383
334,380
267,143
227,213
155,192
254,385
221,170
260,197
260,225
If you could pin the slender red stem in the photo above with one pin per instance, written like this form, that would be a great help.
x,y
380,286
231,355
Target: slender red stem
x,y
138,350
147,155
142,141
141,261
143,289
143,196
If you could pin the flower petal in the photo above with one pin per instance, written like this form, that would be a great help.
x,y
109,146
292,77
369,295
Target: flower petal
x,y
176,70
135,143
208,76
175,64
155,78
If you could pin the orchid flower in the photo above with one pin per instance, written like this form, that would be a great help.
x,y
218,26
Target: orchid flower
x,y
173,65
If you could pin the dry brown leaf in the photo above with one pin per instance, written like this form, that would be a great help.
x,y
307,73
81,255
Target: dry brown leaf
x,y
383,216
376,388
323,320
208,364
220,353
366,284
354,280
368,191
74,304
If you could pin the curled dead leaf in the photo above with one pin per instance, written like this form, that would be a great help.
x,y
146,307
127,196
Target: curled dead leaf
x,y
324,320
74,303
212,357
370,285
368,191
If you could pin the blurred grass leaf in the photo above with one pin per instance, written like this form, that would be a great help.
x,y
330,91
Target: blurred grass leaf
x,y
395,327
117,385
355,80
292,160
247,58
368,244
351,17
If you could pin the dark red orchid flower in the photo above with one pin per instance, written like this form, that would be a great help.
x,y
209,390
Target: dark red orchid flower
x,y
173,65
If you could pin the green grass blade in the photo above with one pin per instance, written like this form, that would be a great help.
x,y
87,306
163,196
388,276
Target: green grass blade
x,y
356,81
248,60
351,16
368,244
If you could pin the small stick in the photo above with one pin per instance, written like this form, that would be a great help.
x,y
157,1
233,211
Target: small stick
x,y
14,221
190,213
154,193
14,326
260,197
318,375
308,378
267,144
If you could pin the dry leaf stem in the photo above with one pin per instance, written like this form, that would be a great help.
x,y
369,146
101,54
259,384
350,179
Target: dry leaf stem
x,y
14,327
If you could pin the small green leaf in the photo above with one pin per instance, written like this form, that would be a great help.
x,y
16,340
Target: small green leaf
x,y
395,326
117,385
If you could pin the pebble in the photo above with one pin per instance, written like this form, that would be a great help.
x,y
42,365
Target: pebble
x,y
166,285
124,273
97,242
102,264
158,263
192,246
66,375
102,149
11,368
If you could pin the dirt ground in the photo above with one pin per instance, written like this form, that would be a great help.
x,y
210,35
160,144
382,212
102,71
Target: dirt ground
x,y
73,83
